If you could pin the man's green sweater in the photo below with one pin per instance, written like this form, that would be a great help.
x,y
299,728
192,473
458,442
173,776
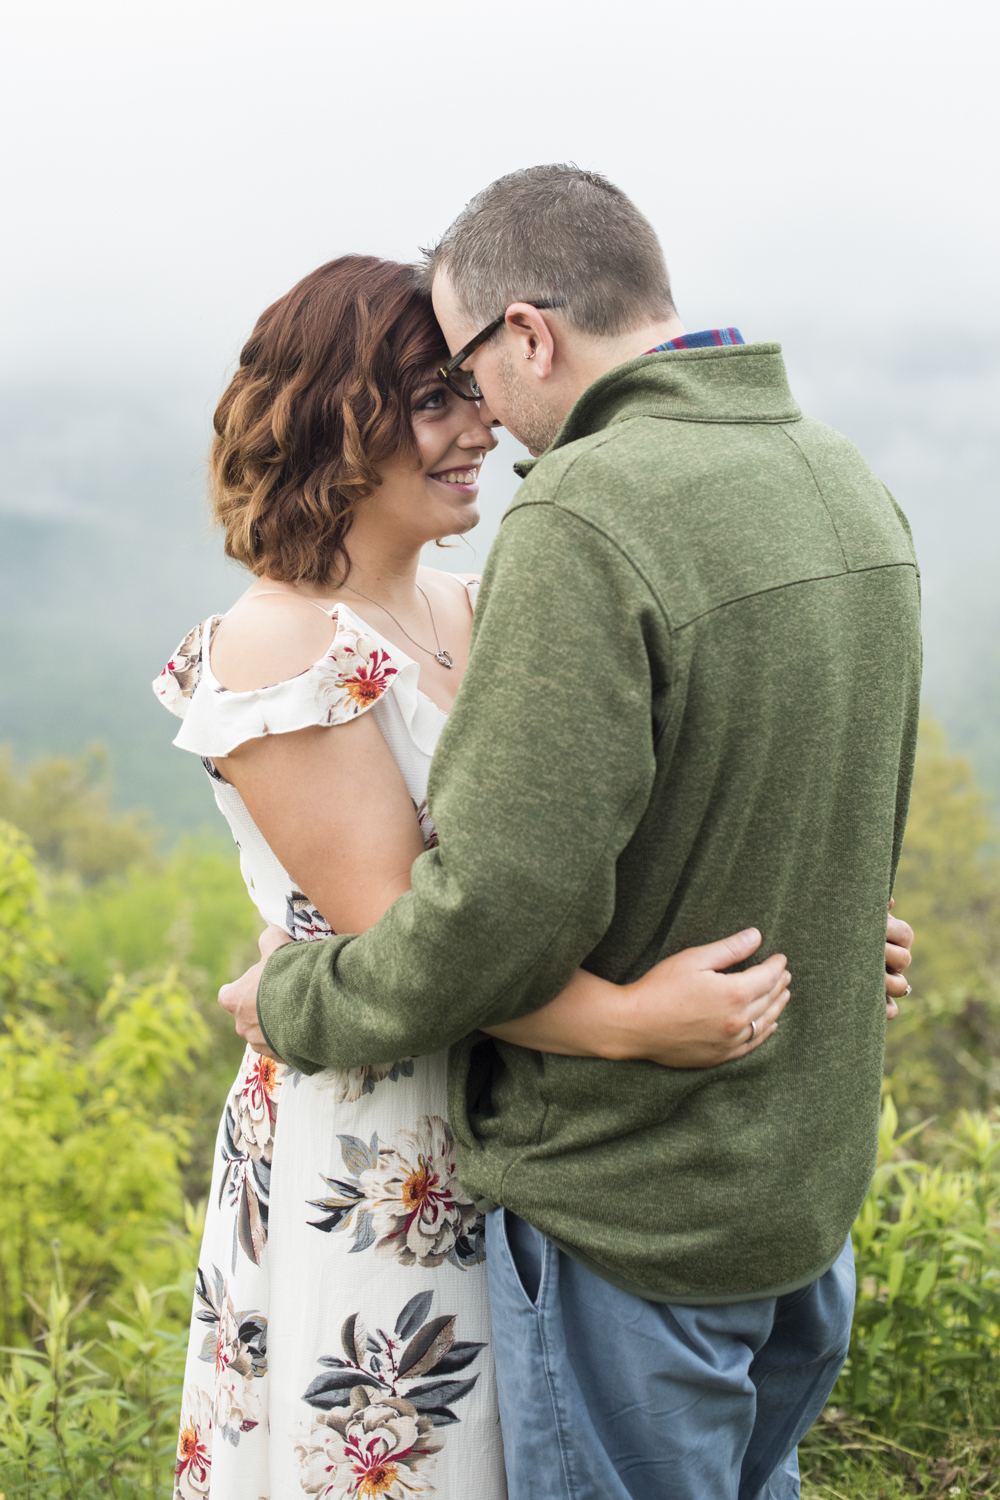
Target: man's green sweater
x,y
691,708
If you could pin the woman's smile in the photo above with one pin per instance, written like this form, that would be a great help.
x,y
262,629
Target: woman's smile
x,y
459,481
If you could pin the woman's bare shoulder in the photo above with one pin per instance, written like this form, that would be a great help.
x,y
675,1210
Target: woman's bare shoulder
x,y
269,638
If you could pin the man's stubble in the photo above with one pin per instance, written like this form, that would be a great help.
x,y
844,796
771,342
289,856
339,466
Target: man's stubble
x,y
527,417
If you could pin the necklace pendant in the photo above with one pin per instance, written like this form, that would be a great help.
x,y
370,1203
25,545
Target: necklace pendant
x,y
444,657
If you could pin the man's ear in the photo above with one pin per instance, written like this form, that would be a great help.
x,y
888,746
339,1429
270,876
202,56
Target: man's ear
x,y
533,336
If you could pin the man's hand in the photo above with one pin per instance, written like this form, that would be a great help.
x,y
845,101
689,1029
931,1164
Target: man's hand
x,y
240,997
898,942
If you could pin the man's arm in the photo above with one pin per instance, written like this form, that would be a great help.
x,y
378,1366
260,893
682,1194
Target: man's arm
x,y
539,780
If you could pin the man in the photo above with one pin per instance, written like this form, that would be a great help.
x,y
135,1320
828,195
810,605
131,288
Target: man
x,y
691,706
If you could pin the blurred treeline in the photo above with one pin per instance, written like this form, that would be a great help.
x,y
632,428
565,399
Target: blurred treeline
x,y
115,1060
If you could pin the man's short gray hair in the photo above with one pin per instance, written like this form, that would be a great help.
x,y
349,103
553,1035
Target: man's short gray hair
x,y
555,232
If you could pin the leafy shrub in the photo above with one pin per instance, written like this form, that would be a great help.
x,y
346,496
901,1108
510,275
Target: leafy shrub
x,y
83,1420
926,1338
920,1392
190,908
27,952
943,1052
91,1146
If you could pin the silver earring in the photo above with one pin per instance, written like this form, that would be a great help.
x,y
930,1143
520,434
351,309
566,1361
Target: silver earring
x,y
531,355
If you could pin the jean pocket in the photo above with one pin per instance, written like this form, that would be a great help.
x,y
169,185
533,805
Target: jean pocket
x,y
526,1246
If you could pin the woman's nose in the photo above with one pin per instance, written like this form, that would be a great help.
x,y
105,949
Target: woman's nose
x,y
486,416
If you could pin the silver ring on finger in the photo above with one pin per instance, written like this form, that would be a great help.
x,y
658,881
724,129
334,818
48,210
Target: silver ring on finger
x,y
753,1031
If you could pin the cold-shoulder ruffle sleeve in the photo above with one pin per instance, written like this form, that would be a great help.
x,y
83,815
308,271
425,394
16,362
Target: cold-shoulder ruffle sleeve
x,y
349,680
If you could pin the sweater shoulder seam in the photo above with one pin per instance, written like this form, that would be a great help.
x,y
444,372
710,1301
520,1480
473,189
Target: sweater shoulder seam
x,y
793,583
822,498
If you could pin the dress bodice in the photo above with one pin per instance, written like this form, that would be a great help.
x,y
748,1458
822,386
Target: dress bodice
x,y
361,672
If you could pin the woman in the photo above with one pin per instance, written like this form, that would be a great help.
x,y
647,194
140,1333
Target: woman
x,y
340,1340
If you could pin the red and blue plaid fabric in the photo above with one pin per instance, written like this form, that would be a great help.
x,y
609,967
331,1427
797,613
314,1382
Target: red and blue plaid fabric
x,y
709,338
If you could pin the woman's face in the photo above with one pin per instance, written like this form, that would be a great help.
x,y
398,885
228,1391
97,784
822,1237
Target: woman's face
x,y
440,496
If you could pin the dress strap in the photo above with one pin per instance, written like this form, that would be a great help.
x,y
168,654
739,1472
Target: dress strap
x,y
261,592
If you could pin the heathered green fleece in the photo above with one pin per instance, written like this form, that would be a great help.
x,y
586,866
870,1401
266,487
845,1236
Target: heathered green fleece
x,y
691,708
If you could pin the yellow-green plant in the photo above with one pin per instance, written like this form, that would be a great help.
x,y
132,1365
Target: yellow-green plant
x,y
926,1338
943,1052
27,951
918,1404
91,1143
95,1419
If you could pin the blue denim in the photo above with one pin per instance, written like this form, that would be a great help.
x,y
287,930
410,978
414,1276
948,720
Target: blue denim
x,y
605,1396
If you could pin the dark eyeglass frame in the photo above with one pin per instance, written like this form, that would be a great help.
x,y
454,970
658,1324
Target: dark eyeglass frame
x,y
446,372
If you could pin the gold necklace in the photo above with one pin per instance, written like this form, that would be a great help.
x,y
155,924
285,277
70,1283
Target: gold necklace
x,y
444,657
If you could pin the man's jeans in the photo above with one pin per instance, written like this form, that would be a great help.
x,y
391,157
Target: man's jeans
x,y
605,1396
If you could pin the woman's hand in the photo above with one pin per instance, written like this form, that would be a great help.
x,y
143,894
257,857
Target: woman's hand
x,y
240,997
898,957
683,1014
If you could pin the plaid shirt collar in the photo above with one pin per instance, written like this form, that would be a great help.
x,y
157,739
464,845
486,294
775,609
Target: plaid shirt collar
x,y
709,338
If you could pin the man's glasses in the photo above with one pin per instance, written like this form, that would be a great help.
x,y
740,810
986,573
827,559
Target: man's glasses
x,y
463,382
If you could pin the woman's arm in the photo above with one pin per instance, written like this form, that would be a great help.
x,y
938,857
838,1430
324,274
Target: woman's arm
x,y
684,1013
333,806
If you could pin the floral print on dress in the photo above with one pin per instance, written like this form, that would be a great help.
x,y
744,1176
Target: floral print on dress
x,y
176,684
427,830
403,1199
247,1149
193,1470
303,922
348,1085
236,1345
351,677
382,1407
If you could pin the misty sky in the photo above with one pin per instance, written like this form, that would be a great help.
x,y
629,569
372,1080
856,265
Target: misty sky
x,y
173,167
823,174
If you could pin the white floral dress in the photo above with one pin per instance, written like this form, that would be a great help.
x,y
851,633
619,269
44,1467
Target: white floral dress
x,y
340,1342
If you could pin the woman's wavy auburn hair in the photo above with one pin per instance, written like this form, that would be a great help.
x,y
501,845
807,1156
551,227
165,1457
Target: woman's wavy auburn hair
x,y
322,398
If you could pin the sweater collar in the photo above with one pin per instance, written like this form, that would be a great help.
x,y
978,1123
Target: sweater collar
x,y
738,383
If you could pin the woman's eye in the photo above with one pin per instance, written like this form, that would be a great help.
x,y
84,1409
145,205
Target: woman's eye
x,y
433,402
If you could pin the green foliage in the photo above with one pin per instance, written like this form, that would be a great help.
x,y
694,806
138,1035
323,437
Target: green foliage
x,y
190,908
189,912
949,875
91,1148
920,1392
64,807
942,1053
926,1337
27,953
84,1420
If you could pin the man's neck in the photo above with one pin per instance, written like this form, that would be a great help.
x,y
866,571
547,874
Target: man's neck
x,y
588,357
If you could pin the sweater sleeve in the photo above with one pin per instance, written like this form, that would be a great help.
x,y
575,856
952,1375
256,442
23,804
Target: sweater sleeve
x,y
540,777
